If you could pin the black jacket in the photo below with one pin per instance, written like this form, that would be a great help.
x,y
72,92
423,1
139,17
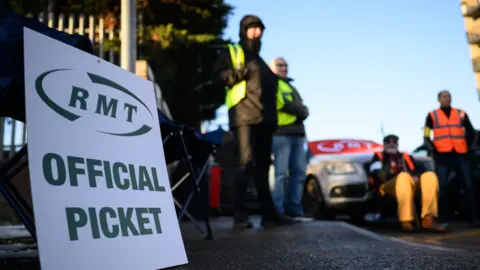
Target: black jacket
x,y
259,106
296,108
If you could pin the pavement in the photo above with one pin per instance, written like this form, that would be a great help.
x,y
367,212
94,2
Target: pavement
x,y
308,245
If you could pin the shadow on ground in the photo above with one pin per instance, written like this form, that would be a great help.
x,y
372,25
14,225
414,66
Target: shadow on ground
x,y
312,245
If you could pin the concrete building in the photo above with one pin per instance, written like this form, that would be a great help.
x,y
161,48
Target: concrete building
x,y
471,14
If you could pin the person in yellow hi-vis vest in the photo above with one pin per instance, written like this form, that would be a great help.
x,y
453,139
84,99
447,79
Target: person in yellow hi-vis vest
x,y
290,155
251,89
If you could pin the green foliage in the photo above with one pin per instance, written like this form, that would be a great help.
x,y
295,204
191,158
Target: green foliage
x,y
112,44
178,37
167,35
90,7
25,6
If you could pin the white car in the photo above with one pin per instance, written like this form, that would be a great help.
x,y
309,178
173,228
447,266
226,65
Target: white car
x,y
337,185
337,181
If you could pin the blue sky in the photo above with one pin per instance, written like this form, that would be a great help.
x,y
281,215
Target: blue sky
x,y
360,63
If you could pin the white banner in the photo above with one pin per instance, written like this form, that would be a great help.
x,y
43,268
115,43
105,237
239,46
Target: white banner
x,y
100,188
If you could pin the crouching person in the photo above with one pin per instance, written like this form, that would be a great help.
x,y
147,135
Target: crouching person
x,y
398,178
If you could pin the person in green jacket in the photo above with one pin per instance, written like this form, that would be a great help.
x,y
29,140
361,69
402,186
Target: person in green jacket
x,y
290,154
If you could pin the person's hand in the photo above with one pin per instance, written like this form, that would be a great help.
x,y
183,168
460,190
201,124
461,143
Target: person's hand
x,y
242,73
393,163
252,66
235,76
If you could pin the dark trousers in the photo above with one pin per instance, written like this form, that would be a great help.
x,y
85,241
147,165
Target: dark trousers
x,y
445,164
253,153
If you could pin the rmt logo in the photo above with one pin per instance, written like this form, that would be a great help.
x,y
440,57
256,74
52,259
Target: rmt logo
x,y
94,97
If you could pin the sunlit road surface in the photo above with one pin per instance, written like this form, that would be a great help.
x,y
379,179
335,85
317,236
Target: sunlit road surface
x,y
459,235
318,245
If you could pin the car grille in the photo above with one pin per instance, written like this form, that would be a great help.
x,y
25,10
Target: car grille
x,y
350,191
353,191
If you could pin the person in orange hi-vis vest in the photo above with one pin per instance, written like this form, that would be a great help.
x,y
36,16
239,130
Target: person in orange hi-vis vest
x,y
397,176
453,136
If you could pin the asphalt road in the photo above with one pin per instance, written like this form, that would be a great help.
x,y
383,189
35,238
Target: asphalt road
x,y
311,245
318,245
460,235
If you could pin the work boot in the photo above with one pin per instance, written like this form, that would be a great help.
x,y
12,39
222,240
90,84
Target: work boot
x,y
429,224
277,220
407,226
240,225
300,217
240,221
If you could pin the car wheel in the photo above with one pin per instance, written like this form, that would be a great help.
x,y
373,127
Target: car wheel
x,y
314,202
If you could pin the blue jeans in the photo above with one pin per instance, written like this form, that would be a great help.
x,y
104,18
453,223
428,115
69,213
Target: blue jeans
x,y
290,161
444,164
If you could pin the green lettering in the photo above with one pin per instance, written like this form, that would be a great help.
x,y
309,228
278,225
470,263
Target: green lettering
x,y
125,220
156,217
144,179
130,109
104,224
93,172
80,95
117,166
155,181
133,177
94,223
48,171
76,218
73,171
142,221
106,108
108,174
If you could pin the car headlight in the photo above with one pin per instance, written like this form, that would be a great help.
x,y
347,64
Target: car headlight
x,y
341,168
337,191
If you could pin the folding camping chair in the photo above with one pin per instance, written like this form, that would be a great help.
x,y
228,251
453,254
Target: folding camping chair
x,y
16,169
19,197
14,184
183,144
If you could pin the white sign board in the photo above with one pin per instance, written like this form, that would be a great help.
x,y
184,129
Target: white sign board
x,y
101,195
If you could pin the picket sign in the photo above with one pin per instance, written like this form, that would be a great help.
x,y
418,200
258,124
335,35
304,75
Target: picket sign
x,y
100,189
